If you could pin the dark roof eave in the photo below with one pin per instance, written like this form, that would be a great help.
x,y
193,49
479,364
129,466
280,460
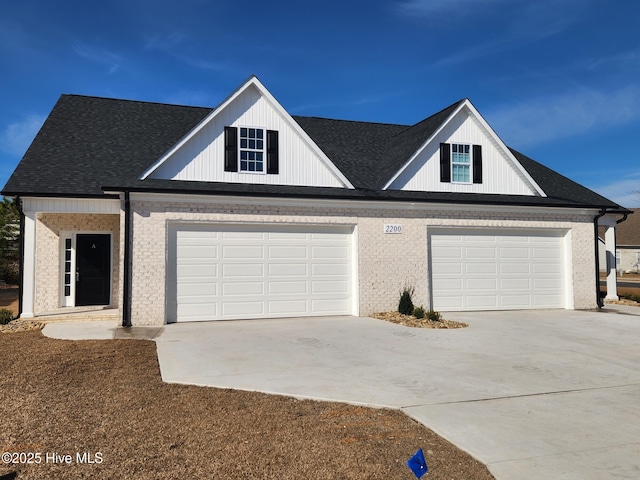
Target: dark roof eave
x,y
367,195
8,193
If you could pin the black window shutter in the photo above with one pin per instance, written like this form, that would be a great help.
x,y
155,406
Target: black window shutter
x,y
230,149
445,162
272,151
477,164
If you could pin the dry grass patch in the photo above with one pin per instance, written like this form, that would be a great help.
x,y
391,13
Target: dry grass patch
x,y
108,397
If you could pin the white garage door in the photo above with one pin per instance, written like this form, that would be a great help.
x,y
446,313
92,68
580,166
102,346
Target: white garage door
x,y
497,270
236,272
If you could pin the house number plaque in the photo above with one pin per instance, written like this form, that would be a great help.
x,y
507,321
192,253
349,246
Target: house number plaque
x,y
392,228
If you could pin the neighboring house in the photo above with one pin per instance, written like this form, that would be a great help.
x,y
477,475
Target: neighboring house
x,y
171,213
627,253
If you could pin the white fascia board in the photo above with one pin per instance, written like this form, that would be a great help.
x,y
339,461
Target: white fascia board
x,y
253,81
356,204
422,147
504,148
70,205
467,104
301,133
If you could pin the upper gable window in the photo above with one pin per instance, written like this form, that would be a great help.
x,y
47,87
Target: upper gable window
x,y
251,150
460,163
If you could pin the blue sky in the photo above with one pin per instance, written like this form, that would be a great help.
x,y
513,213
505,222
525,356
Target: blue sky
x,y
557,79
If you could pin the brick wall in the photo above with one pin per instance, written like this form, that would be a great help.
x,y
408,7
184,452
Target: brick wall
x,y
48,274
386,263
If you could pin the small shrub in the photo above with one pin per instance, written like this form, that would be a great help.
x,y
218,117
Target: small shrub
x,y
419,312
10,274
433,316
634,297
6,316
406,303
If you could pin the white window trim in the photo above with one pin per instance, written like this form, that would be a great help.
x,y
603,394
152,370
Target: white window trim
x,y
470,164
264,151
618,259
67,301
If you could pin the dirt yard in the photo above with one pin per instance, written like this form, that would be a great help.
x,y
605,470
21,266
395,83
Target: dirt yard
x,y
9,297
105,400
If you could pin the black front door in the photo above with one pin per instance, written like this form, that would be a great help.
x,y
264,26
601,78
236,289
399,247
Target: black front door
x,y
93,269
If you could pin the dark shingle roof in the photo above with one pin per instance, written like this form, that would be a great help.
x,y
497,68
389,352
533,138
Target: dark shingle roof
x,y
89,145
87,142
628,232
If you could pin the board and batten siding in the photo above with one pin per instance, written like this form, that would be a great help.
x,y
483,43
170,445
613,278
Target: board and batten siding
x,y
202,157
500,175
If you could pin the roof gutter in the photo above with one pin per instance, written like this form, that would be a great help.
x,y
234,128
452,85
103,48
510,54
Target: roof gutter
x,y
126,288
602,213
625,214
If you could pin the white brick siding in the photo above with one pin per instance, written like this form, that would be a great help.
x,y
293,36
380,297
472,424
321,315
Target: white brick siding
x,y
386,263
48,249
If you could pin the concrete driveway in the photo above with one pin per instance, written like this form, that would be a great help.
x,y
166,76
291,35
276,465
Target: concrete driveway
x,y
541,394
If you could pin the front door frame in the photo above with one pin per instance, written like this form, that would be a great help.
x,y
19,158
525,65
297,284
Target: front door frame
x,y
70,300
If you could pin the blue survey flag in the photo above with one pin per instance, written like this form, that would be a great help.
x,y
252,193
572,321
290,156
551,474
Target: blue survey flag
x,y
417,464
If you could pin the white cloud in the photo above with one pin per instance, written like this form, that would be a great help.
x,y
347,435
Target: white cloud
x,y
99,55
15,139
624,192
540,120
428,7
626,60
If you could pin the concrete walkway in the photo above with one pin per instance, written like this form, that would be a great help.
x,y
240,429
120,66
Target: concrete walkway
x,y
541,394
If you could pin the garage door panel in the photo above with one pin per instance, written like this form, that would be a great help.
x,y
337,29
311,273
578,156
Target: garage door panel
x,y
288,252
287,307
244,308
332,286
250,270
481,301
549,300
547,283
526,270
330,306
288,236
196,252
481,253
243,288
446,268
480,284
444,252
330,269
290,288
483,268
507,268
515,283
515,301
287,270
448,284
242,251
202,289
243,235
548,253
329,252
548,268
518,253
260,271
201,269
197,310
450,302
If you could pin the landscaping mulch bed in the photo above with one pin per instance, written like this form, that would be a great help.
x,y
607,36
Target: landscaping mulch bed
x,y
411,321
106,397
